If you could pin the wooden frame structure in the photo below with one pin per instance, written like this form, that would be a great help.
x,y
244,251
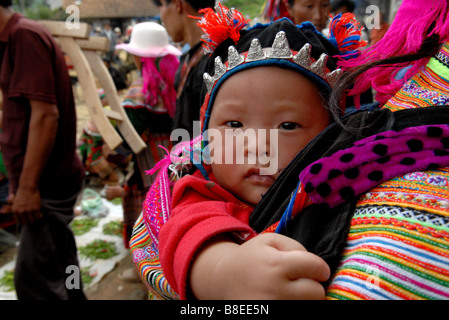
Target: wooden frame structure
x,y
83,53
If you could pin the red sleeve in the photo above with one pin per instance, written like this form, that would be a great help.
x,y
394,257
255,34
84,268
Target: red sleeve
x,y
201,210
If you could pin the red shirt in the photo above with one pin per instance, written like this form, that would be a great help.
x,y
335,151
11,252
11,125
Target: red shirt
x,y
33,68
201,210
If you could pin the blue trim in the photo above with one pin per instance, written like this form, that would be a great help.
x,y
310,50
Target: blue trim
x,y
199,166
287,215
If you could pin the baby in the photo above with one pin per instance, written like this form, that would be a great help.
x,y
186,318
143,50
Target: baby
x,y
274,78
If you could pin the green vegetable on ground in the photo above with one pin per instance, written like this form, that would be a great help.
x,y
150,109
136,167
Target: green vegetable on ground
x,y
7,281
82,225
113,228
99,249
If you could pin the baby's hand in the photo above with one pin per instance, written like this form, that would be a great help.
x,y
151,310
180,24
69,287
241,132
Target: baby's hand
x,y
269,266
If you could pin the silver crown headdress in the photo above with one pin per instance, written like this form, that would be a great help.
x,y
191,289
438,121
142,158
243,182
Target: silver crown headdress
x,y
279,50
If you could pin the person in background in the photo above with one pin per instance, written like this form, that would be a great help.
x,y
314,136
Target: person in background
x,y
110,34
315,11
342,6
39,150
118,35
150,105
176,17
95,154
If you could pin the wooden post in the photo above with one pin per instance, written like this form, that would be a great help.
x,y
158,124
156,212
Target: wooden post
x,y
83,52
117,113
86,80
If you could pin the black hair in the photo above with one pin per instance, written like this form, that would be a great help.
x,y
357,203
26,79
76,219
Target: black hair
x,y
292,2
337,4
5,3
429,48
196,4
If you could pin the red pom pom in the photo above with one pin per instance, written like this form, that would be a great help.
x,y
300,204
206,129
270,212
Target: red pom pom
x,y
219,25
345,33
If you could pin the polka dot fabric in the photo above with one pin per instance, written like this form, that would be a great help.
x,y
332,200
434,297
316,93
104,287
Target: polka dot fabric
x,y
371,161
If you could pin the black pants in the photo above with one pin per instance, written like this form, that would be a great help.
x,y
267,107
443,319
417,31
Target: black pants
x,y
47,247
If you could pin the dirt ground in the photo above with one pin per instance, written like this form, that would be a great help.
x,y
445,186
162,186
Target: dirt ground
x,y
112,287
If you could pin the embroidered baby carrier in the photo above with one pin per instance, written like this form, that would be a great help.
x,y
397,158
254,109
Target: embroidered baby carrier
x,y
156,210
312,58
375,196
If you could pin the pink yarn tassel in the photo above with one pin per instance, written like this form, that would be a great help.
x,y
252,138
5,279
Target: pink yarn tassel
x,y
163,163
405,35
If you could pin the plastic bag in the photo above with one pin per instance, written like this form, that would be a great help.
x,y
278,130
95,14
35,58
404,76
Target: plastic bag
x,y
92,204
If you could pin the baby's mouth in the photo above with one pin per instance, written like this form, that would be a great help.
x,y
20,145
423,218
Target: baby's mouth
x,y
256,176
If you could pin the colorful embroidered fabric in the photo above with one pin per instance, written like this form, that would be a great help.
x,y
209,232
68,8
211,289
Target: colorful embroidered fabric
x,y
135,99
428,87
398,242
144,242
146,260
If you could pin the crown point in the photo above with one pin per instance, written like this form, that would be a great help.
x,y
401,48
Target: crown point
x,y
209,81
255,52
319,67
280,48
302,58
332,77
234,58
220,68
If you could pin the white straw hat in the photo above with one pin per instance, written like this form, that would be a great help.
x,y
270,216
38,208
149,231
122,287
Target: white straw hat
x,y
149,39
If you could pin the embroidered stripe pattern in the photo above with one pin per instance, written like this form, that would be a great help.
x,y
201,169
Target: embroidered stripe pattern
x,y
426,191
156,209
135,99
398,243
443,54
424,89
146,258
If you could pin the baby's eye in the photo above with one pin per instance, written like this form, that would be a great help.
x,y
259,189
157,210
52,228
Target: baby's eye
x,y
234,124
289,126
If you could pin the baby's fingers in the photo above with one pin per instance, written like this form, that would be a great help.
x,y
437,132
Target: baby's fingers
x,y
303,264
304,289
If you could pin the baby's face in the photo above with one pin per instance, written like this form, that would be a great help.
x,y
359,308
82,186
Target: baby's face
x,y
261,118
